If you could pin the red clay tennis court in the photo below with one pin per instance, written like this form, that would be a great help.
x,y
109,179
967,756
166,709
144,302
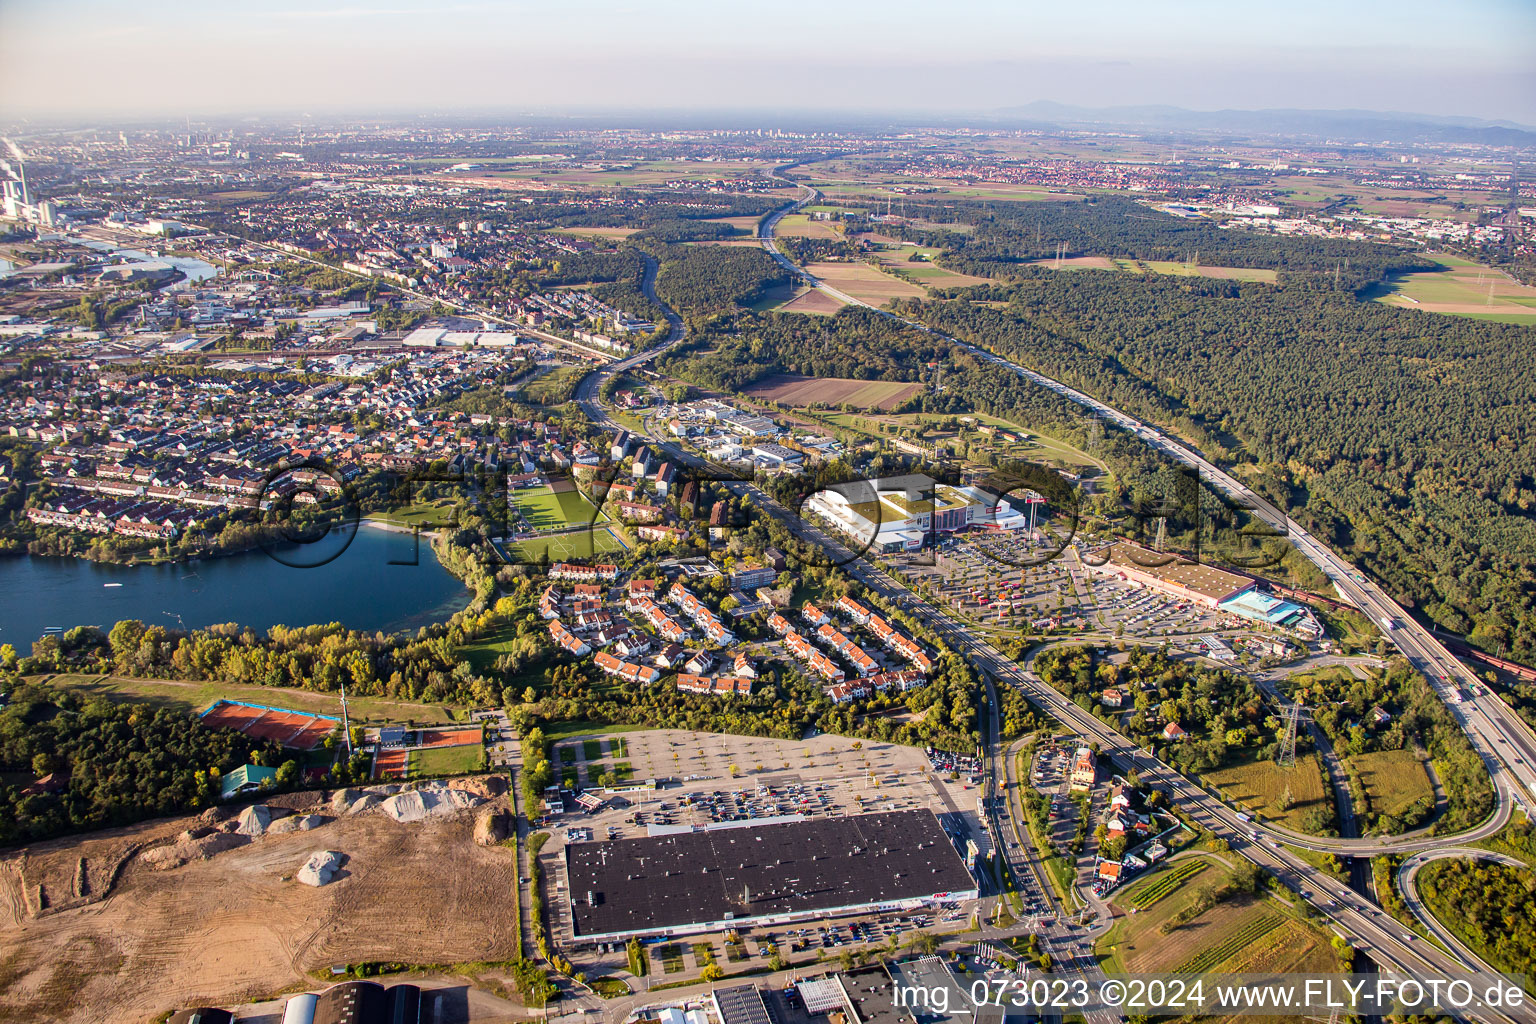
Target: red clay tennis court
x,y
391,764
449,737
298,730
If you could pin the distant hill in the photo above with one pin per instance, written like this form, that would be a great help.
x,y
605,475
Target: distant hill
x,y
1343,125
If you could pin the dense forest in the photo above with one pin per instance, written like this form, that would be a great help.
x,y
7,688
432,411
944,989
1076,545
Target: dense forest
x,y
999,237
700,280
123,762
1489,907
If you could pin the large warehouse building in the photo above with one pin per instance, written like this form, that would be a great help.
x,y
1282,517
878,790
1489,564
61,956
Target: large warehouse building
x,y
719,878
1203,585
901,513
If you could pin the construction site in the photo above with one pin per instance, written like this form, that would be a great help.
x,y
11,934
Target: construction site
x,y
239,904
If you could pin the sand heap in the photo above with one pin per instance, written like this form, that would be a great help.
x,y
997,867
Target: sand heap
x,y
190,846
492,827
253,821
320,868
296,823
356,801
434,800
488,786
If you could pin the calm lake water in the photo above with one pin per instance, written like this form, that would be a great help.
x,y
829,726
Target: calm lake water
x,y
359,587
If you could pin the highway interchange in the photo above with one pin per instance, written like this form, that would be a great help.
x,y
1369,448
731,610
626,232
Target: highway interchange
x,y
1501,739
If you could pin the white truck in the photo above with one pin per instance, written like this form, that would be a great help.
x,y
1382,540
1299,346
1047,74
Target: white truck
x,y
1388,623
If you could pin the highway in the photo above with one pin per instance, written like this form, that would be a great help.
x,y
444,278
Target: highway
x,y
1389,943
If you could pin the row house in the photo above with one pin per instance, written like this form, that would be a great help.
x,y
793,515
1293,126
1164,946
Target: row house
x,y
567,640
701,614
843,693
632,645
903,680
594,619
855,611
814,615
733,686
666,626
549,602
583,573
856,655
907,648
627,670
818,662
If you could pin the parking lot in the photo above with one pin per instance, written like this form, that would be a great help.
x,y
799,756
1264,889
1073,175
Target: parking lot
x,y
991,576
1140,611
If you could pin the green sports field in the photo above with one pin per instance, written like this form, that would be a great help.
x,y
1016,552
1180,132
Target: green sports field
x,y
438,761
566,546
546,509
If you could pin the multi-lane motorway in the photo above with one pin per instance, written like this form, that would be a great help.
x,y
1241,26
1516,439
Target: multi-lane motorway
x,y
1505,744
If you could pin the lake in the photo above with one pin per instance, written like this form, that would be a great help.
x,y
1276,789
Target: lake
x,y
355,584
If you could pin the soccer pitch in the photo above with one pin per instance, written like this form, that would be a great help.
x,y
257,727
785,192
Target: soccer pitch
x,y
546,509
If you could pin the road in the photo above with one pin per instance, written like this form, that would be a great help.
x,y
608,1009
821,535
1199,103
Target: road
x,y
1407,883
1369,929
591,386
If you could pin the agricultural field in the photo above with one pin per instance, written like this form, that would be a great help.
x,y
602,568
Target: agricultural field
x,y
1242,933
862,394
812,302
646,172
925,272
1463,288
838,182
865,283
1162,885
746,223
1259,787
611,232
800,225
1395,780
544,508
1169,267
194,697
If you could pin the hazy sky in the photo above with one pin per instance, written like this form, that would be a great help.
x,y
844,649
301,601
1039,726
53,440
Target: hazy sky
x,y
153,57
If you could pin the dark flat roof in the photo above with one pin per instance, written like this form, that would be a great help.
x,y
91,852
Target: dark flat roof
x,y
642,885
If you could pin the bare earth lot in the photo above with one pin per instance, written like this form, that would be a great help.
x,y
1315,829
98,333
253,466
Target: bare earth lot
x,y
865,394
229,928
813,301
